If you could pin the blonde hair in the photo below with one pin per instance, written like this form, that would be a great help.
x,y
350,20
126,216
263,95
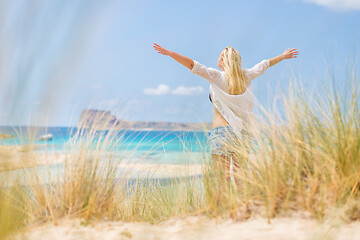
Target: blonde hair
x,y
236,77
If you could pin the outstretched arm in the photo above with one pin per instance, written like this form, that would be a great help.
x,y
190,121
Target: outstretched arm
x,y
187,62
289,53
211,74
261,67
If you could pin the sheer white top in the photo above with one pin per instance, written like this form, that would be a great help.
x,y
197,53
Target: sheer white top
x,y
236,109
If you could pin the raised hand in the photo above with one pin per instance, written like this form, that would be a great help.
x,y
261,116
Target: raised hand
x,y
162,50
290,53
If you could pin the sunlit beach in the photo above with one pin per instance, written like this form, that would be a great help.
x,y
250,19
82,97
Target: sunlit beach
x,y
179,120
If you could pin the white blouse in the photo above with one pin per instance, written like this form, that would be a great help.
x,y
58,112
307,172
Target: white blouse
x,y
236,109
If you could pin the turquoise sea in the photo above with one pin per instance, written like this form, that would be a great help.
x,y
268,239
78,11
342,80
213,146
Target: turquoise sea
x,y
164,147
156,148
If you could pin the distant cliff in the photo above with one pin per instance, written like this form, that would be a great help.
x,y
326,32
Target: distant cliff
x,y
101,120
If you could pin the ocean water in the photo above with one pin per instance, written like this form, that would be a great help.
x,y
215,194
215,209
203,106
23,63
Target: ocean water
x,y
142,147
163,147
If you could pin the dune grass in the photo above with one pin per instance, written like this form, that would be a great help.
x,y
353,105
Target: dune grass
x,y
312,162
307,161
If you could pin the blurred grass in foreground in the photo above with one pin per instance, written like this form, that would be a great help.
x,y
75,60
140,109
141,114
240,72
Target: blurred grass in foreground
x,y
311,162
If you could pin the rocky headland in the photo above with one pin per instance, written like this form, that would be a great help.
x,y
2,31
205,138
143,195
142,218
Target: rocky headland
x,y
103,120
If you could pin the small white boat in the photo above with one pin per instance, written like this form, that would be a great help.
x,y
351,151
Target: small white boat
x,y
46,137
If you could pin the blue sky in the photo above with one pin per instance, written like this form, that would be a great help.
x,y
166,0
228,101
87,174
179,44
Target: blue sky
x,y
59,57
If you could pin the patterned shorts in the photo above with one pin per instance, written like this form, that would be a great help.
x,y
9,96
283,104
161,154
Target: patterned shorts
x,y
223,140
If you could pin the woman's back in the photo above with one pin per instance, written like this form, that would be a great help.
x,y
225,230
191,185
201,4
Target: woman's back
x,y
234,110
218,81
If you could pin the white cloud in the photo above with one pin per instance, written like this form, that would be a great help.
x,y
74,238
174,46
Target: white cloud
x,y
181,90
162,89
338,4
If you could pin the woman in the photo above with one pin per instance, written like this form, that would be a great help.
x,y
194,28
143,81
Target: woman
x,y
233,101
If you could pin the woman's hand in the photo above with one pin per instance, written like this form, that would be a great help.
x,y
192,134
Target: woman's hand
x,y
290,53
162,50
187,62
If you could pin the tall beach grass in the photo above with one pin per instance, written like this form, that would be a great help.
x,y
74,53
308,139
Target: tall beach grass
x,y
308,160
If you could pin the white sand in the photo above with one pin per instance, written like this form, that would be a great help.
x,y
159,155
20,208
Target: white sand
x,y
22,157
199,228
161,170
294,227
17,157
15,163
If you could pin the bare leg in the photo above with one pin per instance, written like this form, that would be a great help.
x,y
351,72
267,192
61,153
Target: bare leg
x,y
221,166
237,177
236,172
241,159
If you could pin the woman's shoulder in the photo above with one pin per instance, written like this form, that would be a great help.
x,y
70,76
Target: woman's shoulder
x,y
257,70
222,81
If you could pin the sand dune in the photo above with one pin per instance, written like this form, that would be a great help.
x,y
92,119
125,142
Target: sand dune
x,y
199,228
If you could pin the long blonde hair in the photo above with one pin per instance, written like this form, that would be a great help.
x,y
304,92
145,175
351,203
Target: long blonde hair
x,y
236,77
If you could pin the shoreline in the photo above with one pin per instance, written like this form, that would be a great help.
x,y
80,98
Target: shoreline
x,y
14,157
15,163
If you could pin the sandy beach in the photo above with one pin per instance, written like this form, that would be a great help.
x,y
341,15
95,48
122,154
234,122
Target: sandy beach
x,y
295,228
18,161
25,156
290,226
